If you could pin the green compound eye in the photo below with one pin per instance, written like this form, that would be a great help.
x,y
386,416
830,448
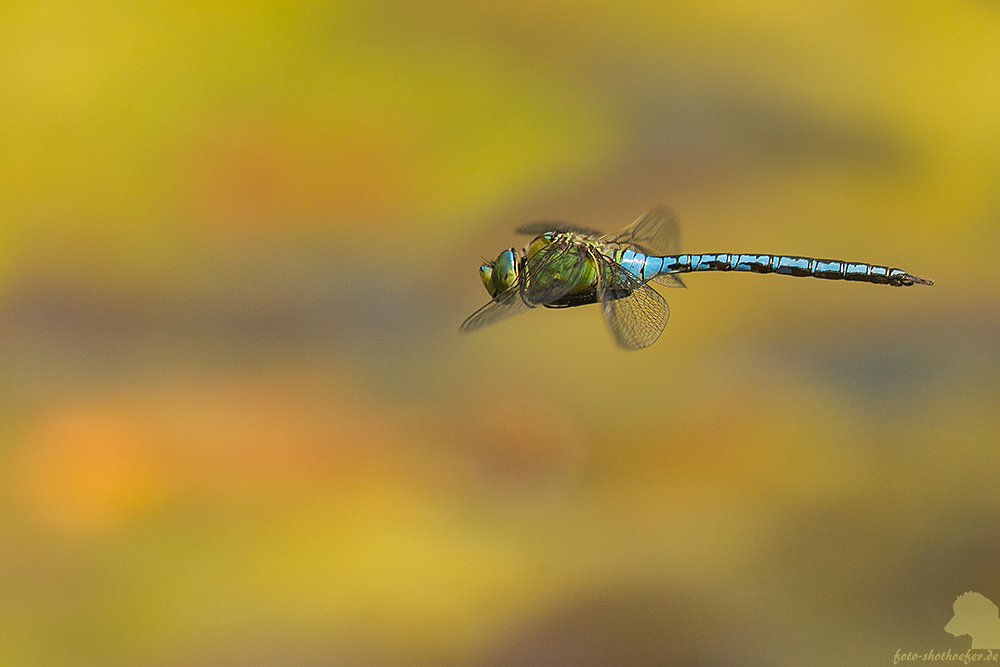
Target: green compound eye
x,y
504,272
486,274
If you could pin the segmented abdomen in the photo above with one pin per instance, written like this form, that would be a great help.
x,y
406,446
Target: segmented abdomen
x,y
648,267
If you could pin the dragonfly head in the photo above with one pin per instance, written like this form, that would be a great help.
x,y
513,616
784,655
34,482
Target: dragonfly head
x,y
501,274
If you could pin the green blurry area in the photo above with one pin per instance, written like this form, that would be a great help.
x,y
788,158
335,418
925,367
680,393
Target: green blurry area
x,y
239,423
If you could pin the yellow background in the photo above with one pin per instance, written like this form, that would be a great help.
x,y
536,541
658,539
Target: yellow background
x,y
239,425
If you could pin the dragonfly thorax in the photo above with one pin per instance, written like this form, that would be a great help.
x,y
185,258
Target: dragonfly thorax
x,y
574,266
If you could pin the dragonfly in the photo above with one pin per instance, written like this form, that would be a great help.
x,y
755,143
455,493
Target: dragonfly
x,y
566,266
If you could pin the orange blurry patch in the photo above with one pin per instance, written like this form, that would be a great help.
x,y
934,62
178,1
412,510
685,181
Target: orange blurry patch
x,y
266,434
85,471
217,439
262,175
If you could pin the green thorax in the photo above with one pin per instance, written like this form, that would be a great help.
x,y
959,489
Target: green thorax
x,y
578,258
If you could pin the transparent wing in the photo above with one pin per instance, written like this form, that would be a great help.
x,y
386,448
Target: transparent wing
x,y
553,271
506,304
542,226
634,311
669,280
654,233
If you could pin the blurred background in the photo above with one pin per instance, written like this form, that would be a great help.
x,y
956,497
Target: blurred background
x,y
239,425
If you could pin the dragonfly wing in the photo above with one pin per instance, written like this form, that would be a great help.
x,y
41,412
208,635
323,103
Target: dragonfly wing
x,y
506,304
553,271
669,280
654,233
542,226
634,311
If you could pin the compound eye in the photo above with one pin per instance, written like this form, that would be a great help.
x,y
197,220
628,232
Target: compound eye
x,y
505,271
486,273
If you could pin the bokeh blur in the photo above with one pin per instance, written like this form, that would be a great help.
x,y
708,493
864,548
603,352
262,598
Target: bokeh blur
x,y
239,425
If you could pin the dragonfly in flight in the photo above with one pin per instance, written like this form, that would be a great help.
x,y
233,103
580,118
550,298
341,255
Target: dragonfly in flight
x,y
565,266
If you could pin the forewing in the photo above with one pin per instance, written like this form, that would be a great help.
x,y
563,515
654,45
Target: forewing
x,y
553,271
635,320
542,226
654,233
506,304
